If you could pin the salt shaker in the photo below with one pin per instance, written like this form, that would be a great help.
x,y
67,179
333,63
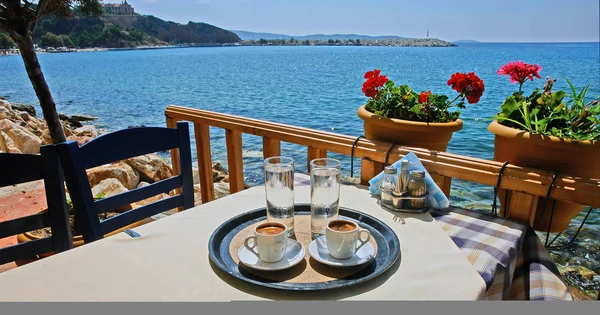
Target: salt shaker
x,y
388,183
417,188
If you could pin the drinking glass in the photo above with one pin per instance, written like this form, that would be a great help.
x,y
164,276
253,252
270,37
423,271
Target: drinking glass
x,y
325,162
279,189
324,194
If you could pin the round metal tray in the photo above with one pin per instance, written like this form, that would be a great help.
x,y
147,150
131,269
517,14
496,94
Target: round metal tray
x,y
387,253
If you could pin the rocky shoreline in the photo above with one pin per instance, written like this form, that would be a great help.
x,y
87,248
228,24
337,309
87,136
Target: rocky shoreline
x,y
21,131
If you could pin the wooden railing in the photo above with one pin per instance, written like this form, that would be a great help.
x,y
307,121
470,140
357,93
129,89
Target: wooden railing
x,y
524,182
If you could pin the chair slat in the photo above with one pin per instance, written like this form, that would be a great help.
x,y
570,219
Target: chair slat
x,y
25,250
23,168
140,213
113,202
128,143
24,224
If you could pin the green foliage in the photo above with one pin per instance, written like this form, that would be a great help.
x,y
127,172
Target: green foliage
x,y
51,40
402,102
5,41
553,113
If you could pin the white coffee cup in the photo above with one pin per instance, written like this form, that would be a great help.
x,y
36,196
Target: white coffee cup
x,y
269,241
342,238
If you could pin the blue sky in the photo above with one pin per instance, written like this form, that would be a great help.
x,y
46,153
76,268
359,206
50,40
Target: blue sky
x,y
483,20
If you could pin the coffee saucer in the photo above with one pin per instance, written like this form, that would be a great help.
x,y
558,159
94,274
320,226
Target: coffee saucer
x,y
318,250
294,254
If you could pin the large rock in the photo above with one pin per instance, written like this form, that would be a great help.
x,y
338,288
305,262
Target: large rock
x,y
25,116
7,144
5,112
24,108
124,173
151,167
87,131
217,173
197,195
46,139
5,104
25,140
69,121
110,187
221,190
83,118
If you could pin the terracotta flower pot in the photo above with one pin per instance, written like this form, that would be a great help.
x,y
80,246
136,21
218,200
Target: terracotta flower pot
x,y
432,136
547,153
77,240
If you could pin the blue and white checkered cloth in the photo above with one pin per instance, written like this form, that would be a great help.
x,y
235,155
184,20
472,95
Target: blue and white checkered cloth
x,y
436,198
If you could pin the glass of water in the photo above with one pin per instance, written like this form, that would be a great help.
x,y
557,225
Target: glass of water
x,y
325,162
324,194
279,189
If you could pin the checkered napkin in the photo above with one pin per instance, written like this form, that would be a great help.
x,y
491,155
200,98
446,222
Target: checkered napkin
x,y
507,254
436,198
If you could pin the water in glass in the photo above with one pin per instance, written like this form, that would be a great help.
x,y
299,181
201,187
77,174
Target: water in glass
x,y
324,198
279,188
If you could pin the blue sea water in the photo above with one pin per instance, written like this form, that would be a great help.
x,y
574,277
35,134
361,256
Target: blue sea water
x,y
315,87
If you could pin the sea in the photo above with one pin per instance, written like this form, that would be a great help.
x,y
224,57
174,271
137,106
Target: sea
x,y
310,86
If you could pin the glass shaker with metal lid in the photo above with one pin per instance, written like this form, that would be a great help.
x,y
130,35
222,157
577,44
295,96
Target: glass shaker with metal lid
x,y
388,183
417,188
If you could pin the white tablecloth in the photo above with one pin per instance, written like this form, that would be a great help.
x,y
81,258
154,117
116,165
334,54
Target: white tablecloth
x,y
170,262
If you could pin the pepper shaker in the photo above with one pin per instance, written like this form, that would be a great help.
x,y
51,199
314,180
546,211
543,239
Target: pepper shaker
x,y
417,188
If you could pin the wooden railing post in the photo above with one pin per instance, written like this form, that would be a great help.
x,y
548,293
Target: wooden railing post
x,y
271,147
519,206
207,188
233,141
172,123
314,154
368,170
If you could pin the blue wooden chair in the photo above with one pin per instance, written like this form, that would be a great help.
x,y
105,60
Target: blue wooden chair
x,y
22,168
118,146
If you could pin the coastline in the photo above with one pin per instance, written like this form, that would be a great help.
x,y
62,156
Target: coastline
x,y
407,42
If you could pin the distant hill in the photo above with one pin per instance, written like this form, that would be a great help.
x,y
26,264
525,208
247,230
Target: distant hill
x,y
245,35
127,31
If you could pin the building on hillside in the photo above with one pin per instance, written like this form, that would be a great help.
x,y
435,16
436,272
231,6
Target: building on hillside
x,y
122,8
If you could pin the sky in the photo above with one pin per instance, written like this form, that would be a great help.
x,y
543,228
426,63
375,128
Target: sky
x,y
482,20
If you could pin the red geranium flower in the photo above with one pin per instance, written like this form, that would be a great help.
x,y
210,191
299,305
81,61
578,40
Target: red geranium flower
x,y
424,97
374,83
520,71
469,85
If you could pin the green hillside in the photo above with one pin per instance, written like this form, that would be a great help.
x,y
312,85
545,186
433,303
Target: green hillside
x,y
126,31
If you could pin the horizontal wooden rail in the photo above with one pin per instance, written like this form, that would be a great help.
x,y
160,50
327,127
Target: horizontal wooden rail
x,y
527,180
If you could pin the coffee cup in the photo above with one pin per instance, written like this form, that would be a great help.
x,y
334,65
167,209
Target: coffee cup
x,y
342,238
269,241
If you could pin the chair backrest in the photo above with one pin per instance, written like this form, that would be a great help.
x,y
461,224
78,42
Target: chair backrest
x,y
22,168
115,147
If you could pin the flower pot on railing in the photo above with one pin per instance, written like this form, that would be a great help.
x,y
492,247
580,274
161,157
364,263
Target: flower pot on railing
x,y
549,153
432,136
399,114
548,130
